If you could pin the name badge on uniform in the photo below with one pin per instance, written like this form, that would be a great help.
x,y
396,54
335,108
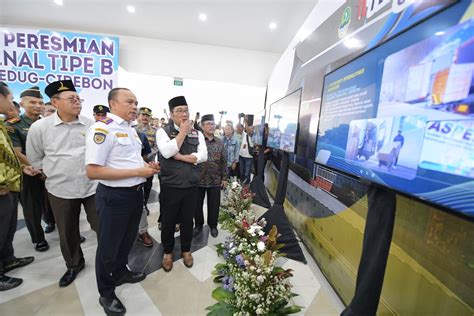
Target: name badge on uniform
x,y
121,135
193,134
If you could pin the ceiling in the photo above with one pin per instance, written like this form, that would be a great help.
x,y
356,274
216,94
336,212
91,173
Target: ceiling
x,y
230,23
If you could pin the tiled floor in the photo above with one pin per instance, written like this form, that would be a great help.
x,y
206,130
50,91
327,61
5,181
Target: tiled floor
x,y
181,292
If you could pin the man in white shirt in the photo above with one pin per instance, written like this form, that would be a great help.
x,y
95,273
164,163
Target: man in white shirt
x,y
56,144
113,156
245,156
181,149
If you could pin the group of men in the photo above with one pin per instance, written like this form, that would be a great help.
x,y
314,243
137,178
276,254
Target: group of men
x,y
66,161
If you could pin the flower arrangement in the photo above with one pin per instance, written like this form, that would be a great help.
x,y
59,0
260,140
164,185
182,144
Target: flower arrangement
x,y
251,283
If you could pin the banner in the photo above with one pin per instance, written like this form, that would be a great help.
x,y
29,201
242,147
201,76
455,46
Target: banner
x,y
39,57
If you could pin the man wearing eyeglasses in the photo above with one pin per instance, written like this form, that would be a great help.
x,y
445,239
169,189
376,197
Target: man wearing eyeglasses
x,y
181,149
32,196
213,176
57,144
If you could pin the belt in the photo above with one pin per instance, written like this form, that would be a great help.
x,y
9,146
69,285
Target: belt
x,y
137,187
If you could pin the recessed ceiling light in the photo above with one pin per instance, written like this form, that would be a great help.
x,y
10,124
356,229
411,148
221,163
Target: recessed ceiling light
x,y
439,33
58,2
353,43
131,8
272,26
202,17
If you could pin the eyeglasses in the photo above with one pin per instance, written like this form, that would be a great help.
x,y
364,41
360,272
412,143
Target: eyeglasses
x,y
181,111
209,123
72,100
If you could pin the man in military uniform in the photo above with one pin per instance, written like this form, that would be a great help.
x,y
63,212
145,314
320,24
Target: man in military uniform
x,y
143,119
181,149
144,115
10,183
113,156
100,111
32,196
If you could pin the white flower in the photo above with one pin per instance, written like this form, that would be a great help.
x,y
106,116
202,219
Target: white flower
x,y
261,246
235,185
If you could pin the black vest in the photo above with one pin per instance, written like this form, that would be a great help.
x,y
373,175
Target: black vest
x,y
180,174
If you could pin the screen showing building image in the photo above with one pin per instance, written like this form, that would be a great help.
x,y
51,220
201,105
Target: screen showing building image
x,y
402,115
283,122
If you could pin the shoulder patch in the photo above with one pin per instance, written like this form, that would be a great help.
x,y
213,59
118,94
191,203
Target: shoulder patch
x,y
13,120
101,130
99,137
105,120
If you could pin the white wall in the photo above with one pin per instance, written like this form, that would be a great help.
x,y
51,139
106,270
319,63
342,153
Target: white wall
x,y
194,61
206,97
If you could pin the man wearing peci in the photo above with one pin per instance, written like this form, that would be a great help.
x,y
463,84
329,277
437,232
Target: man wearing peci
x,y
181,148
213,176
113,156
56,145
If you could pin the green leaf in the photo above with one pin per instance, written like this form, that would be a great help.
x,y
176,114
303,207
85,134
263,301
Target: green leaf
x,y
278,270
218,279
291,310
221,309
220,295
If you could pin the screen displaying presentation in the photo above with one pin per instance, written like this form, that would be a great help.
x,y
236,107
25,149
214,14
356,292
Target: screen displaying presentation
x,y
402,115
283,122
258,127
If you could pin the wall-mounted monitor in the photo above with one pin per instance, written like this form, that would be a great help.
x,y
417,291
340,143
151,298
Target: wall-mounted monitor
x,y
283,122
402,116
258,127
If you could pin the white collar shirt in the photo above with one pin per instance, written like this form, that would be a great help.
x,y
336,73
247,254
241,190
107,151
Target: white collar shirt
x,y
59,148
117,145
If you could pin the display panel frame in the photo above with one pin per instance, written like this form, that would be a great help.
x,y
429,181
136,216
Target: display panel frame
x,y
365,180
260,131
269,120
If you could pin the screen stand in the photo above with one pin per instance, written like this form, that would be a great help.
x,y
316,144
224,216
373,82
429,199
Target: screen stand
x,y
276,216
375,250
257,185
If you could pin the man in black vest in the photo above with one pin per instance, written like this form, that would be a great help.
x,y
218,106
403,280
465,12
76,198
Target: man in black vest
x,y
181,148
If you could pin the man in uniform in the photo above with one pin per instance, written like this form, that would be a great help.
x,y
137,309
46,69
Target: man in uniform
x,y
144,115
213,176
49,109
32,195
10,183
113,156
100,111
56,145
181,148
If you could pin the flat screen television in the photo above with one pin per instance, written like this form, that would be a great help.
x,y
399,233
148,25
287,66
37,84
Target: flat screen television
x,y
283,122
402,116
258,127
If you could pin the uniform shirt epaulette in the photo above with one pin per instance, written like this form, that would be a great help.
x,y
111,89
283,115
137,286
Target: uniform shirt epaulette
x,y
105,120
13,120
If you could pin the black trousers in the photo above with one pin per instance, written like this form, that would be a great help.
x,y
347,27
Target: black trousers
x,y
147,189
48,216
177,205
8,218
67,213
32,199
213,204
375,250
120,211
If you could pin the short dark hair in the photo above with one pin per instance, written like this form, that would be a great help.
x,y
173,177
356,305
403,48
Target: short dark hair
x,y
17,105
113,93
4,89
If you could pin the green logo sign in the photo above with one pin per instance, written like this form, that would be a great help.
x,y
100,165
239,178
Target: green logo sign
x,y
345,22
